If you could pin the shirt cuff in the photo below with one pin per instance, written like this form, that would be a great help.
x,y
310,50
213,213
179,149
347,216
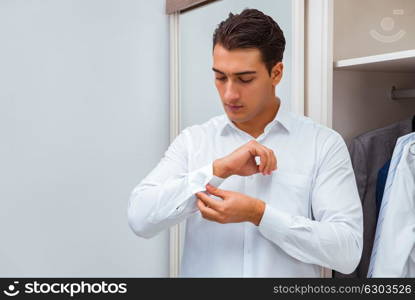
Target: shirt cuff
x,y
216,181
199,178
197,181
274,225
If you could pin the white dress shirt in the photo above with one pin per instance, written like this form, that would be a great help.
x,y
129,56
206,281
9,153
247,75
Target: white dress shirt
x,y
312,218
393,253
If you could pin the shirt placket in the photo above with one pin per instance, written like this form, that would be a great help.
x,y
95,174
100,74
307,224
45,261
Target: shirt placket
x,y
249,228
250,189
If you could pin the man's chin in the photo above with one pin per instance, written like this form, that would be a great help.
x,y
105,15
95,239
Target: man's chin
x,y
236,119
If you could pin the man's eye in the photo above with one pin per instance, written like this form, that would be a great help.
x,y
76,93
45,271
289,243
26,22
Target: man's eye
x,y
246,81
221,78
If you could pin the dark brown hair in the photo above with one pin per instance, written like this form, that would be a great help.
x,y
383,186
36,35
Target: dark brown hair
x,y
252,29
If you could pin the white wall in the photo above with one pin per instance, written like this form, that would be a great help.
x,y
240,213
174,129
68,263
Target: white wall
x,y
84,116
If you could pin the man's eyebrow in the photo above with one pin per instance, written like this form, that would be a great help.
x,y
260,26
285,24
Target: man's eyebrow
x,y
238,73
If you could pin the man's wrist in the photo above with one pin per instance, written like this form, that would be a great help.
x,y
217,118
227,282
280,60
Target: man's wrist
x,y
219,170
259,209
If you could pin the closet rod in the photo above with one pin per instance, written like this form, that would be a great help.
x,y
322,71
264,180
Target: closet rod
x,y
397,94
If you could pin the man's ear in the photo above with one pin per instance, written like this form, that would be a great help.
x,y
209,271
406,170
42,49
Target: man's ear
x,y
276,73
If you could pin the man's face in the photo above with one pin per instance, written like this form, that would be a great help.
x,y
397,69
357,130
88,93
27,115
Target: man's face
x,y
244,85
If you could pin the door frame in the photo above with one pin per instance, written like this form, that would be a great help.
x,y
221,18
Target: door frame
x,y
319,61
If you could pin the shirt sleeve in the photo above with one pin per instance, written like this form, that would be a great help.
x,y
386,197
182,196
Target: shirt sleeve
x,y
359,164
166,196
334,238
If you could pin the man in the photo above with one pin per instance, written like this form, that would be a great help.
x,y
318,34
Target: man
x,y
296,211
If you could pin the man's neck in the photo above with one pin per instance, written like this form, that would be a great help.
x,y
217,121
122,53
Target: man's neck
x,y
255,127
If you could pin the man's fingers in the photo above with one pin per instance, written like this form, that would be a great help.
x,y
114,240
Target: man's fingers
x,y
216,191
207,212
268,159
208,201
263,156
273,161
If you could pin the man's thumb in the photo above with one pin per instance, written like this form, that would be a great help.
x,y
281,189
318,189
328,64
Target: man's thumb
x,y
215,191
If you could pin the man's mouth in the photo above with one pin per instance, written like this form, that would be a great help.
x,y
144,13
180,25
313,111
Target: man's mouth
x,y
233,108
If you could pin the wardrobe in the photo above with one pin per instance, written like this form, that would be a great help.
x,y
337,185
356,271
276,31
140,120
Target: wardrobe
x,y
360,65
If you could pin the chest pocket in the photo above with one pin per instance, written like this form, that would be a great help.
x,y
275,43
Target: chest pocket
x,y
290,192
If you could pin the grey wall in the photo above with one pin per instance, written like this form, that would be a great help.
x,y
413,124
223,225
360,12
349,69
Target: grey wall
x,y
83,118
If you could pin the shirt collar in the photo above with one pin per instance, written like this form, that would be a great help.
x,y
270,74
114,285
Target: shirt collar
x,y
282,117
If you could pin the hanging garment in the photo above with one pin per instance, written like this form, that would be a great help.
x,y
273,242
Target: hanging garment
x,y
381,182
369,152
380,186
393,252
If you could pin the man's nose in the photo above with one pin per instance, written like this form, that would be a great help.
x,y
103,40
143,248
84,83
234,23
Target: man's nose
x,y
231,91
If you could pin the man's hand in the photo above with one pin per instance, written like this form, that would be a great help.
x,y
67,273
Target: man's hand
x,y
235,207
242,161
